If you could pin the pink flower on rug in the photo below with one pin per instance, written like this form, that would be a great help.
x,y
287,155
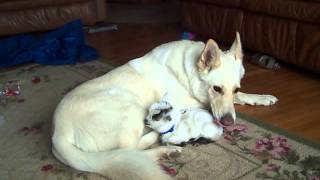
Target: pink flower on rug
x,y
228,137
273,167
314,178
263,144
21,100
35,79
235,132
277,147
236,127
36,128
47,167
169,170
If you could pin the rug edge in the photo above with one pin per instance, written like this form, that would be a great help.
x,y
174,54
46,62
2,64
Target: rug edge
x,y
278,130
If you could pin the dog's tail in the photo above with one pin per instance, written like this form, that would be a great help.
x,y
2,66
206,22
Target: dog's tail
x,y
119,164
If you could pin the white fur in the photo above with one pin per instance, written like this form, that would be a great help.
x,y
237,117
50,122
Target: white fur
x,y
98,127
181,125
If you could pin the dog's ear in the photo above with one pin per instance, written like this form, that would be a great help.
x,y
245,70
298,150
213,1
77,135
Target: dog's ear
x,y
236,48
210,57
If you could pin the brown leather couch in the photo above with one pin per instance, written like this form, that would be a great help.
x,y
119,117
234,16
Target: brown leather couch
x,y
286,29
19,16
134,1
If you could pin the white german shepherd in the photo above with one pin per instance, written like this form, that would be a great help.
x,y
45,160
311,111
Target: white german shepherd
x,y
98,127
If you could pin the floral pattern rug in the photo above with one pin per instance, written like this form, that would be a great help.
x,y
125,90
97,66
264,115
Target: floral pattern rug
x,y
248,150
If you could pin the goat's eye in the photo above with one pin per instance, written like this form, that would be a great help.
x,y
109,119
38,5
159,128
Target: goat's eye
x,y
168,118
236,90
217,89
156,117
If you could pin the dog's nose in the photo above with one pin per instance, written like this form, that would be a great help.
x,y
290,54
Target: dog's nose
x,y
146,121
227,120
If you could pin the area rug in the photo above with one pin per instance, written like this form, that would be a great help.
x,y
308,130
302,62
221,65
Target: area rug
x,y
248,150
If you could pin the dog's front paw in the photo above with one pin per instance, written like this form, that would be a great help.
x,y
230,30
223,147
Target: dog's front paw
x,y
265,100
173,150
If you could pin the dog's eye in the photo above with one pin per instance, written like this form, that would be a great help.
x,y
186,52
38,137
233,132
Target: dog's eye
x,y
165,111
217,89
236,90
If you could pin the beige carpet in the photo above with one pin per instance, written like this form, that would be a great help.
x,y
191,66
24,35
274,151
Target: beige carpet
x,y
247,150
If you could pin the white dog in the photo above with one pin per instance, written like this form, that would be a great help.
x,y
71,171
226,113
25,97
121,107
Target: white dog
x,y
98,127
178,126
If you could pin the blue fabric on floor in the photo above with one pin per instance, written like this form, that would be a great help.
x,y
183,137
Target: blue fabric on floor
x,y
64,45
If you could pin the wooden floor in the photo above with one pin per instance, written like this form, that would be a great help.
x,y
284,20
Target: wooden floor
x,y
132,40
297,111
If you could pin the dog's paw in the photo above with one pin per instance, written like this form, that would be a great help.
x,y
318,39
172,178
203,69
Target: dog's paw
x,y
265,100
173,150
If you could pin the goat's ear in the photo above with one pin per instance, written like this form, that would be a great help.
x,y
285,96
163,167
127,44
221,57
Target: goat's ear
x,y
236,48
165,97
210,57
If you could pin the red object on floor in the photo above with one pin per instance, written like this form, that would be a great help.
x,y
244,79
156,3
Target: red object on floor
x,y
35,79
47,167
168,170
9,92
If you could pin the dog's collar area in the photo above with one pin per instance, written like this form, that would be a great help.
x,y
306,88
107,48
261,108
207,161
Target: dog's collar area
x,y
168,131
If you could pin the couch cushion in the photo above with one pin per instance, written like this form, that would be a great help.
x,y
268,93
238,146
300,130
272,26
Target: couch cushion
x,y
308,46
9,5
218,22
307,10
291,41
46,18
232,3
269,35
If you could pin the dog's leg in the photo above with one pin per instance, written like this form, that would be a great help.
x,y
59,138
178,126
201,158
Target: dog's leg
x,y
174,139
148,139
254,99
157,152
212,131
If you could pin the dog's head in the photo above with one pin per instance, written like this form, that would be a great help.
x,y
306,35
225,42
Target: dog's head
x,y
161,116
222,72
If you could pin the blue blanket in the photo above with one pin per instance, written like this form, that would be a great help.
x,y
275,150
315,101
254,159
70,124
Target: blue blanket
x,y
64,45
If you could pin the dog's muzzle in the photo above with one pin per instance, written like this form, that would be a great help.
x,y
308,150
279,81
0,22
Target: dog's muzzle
x,y
225,121
146,122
